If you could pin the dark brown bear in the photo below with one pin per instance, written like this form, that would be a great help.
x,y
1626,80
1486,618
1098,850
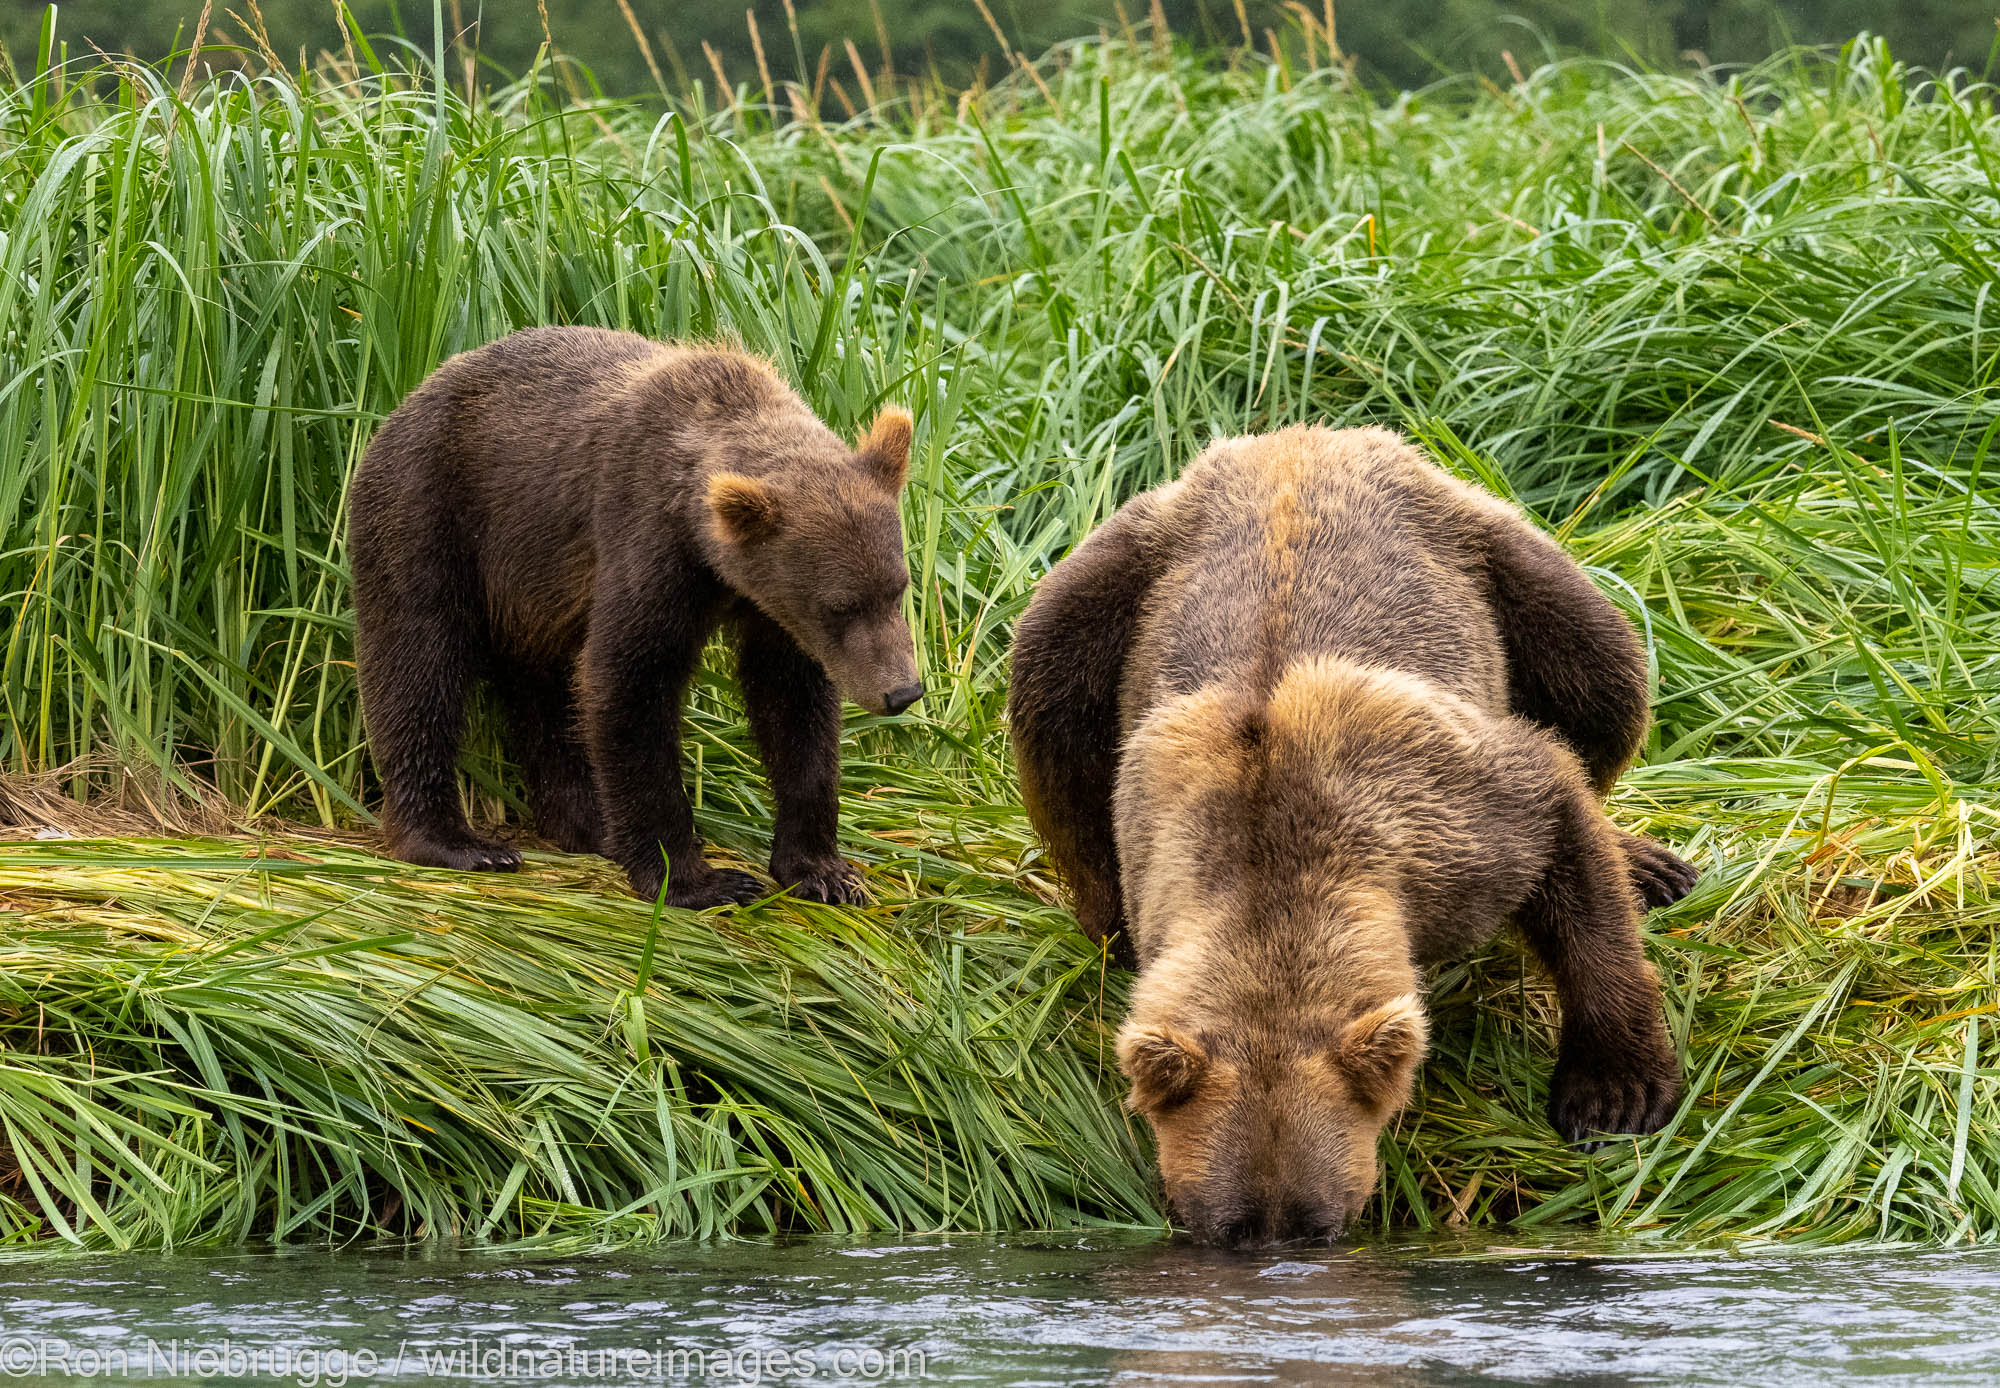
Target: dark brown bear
x,y
568,513
1296,725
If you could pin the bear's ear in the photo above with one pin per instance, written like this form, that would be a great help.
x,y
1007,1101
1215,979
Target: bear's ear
x,y
1164,1066
1380,1050
745,509
885,450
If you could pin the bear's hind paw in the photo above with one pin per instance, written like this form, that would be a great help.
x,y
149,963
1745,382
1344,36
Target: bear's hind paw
x,y
739,888
716,887
467,854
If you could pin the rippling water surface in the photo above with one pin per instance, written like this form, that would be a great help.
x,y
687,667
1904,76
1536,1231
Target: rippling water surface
x,y
1098,1309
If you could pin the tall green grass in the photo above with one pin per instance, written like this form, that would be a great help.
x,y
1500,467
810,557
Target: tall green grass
x,y
1733,337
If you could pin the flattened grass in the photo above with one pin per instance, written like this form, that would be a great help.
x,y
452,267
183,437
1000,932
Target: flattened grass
x,y
340,1047
1732,339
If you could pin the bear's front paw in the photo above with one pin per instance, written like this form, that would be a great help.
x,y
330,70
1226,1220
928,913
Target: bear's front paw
x,y
1628,1089
832,881
1660,875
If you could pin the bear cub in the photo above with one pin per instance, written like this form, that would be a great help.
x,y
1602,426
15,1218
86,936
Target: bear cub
x,y
1293,727
567,514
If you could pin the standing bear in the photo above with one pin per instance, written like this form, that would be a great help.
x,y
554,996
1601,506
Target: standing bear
x,y
1294,726
568,514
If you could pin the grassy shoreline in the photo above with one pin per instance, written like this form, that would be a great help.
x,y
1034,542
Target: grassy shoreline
x,y
316,1043
1731,340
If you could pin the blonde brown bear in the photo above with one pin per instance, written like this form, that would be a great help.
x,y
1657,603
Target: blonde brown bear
x,y
1296,725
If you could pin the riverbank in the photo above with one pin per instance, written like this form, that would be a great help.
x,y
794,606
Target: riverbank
x,y
289,1037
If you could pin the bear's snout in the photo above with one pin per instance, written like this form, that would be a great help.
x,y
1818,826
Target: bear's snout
x,y
874,663
1271,1226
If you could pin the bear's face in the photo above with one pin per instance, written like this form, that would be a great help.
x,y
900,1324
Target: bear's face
x,y
1267,1136
818,545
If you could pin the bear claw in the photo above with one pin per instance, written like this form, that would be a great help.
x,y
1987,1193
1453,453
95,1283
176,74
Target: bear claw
x,y
834,883
716,887
462,855
1635,1097
738,888
1660,875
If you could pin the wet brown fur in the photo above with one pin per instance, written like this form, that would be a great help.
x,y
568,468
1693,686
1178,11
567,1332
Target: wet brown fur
x,y
1357,715
567,514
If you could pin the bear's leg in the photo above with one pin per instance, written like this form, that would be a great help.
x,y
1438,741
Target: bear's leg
x,y
547,740
645,640
1575,667
1069,657
795,715
419,647
1616,1071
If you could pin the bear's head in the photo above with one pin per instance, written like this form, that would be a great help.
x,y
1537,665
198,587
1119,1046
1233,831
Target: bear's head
x,y
1275,1026
1266,1130
817,543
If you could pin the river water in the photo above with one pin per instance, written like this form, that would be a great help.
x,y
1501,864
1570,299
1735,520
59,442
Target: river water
x,y
1090,1309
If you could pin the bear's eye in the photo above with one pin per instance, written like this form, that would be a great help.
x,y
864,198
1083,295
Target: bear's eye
x,y
844,614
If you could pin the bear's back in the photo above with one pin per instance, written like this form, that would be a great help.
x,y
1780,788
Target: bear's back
x,y
541,452
566,400
1311,542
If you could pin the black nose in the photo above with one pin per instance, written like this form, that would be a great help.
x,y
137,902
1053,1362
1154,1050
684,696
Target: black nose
x,y
1310,1227
1245,1231
896,700
1269,1228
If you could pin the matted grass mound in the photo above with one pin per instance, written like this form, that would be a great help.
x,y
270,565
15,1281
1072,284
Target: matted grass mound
x,y
296,1038
293,1038
1732,338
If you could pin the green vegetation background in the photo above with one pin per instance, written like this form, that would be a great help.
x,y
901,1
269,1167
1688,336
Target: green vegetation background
x,y
1402,43
1734,341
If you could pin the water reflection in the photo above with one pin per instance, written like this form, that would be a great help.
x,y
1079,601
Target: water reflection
x,y
1216,1317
